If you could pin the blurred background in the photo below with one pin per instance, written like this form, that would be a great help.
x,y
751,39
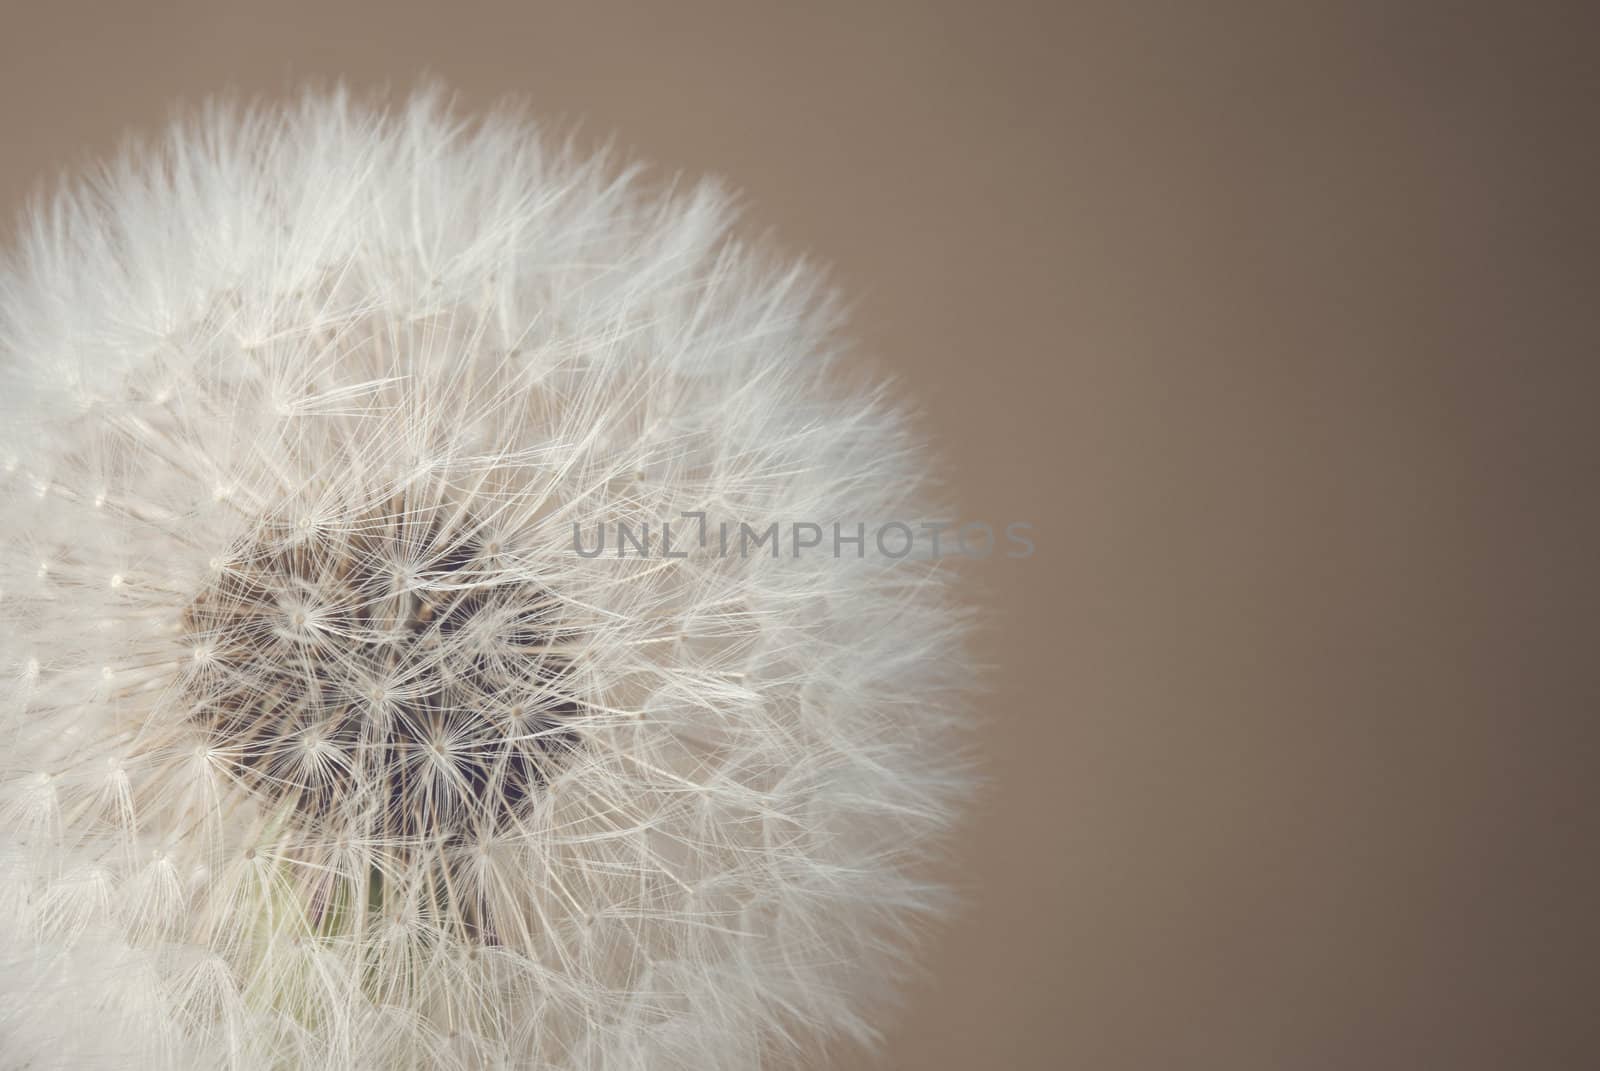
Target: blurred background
x,y
1279,323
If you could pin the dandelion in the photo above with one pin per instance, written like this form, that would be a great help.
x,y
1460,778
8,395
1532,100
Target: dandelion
x,y
323,747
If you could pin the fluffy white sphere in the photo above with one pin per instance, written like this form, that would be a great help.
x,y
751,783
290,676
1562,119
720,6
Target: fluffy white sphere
x,y
324,745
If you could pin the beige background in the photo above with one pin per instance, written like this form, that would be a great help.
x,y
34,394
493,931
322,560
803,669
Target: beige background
x,y
1275,322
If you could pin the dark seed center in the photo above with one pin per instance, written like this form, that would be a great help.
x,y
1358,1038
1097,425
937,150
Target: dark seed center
x,y
388,677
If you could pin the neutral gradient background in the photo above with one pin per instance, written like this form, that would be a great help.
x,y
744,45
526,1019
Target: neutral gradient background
x,y
1279,323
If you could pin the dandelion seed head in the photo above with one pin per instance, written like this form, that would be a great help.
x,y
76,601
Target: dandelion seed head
x,y
324,748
